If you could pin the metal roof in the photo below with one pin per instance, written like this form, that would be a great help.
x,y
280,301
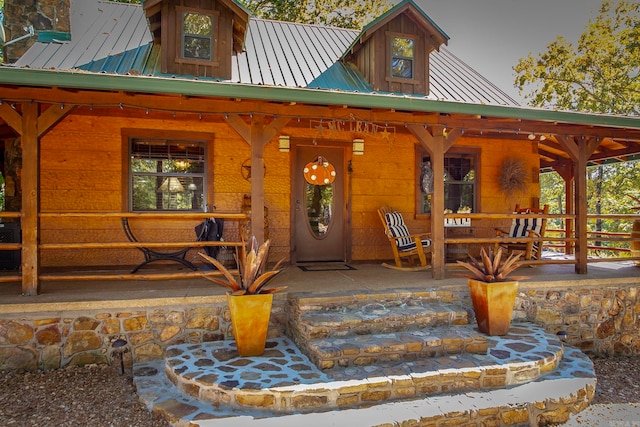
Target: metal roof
x,y
114,38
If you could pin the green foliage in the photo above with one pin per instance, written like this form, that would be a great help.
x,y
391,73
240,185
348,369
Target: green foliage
x,y
600,75
338,13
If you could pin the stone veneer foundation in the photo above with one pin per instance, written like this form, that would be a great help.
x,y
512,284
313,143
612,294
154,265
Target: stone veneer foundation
x,y
598,319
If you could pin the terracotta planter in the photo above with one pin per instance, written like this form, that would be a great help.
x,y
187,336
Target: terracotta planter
x,y
635,246
493,305
250,321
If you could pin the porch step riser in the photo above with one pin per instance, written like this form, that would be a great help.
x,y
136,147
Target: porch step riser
x,y
398,347
376,318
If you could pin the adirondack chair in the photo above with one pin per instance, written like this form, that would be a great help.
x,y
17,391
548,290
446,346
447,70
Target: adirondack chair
x,y
525,227
409,250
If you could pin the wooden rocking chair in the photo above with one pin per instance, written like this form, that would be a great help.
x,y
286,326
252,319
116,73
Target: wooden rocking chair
x,y
409,251
525,227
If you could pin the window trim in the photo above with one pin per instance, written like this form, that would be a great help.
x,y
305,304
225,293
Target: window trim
x,y
179,57
127,179
453,151
389,73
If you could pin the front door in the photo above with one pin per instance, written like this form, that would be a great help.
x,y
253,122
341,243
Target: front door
x,y
319,204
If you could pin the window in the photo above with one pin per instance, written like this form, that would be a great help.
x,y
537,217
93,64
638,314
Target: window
x,y
402,57
167,175
459,183
197,36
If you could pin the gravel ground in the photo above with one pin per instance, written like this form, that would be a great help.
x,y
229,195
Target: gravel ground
x,y
99,396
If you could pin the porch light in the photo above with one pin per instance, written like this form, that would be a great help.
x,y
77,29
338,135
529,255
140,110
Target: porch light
x,y
358,147
284,143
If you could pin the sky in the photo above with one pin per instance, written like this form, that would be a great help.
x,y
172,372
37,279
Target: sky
x,y
492,35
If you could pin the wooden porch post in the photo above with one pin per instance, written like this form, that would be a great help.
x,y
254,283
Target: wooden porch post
x,y
580,149
437,144
31,126
30,223
565,170
257,135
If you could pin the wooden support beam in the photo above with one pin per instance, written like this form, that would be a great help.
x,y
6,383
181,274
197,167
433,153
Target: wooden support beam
x,y
51,116
565,170
257,135
580,150
11,116
437,144
30,199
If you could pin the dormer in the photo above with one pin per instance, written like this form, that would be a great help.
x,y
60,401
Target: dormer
x,y
392,52
197,40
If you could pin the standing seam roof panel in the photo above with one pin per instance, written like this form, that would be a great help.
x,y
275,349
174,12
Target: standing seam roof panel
x,y
299,54
320,58
292,65
265,69
277,59
252,59
85,48
303,43
461,83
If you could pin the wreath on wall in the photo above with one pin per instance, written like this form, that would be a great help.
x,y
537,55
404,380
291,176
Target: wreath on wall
x,y
513,177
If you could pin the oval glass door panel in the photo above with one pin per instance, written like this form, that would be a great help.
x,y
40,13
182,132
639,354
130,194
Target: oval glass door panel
x,y
319,206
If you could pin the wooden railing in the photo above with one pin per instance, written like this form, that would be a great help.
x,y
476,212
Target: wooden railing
x,y
185,216
556,239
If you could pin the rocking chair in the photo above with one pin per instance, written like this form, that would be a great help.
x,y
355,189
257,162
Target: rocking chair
x,y
409,251
525,227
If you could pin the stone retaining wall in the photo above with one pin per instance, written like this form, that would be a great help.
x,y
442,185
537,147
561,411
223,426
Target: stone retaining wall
x,y
601,320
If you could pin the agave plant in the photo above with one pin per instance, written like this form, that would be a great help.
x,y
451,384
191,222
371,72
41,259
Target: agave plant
x,y
490,268
251,264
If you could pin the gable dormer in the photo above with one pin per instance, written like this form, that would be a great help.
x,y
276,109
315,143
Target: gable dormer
x,y
392,52
197,38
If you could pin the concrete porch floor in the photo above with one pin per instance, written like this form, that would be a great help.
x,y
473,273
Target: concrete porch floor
x,y
330,278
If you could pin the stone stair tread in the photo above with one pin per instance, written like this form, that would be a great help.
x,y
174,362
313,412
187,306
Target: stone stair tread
x,y
551,398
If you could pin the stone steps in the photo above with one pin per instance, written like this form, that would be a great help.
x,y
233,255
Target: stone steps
x,y
362,350
348,358
518,397
284,380
379,318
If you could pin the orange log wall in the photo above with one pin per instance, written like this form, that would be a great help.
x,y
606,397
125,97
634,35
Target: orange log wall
x,y
83,159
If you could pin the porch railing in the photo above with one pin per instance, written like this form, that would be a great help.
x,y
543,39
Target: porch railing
x,y
561,240
185,216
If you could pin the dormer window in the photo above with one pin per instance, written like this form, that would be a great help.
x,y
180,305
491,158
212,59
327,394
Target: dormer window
x,y
402,57
197,36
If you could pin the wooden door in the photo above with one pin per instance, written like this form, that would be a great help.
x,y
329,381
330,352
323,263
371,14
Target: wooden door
x,y
319,210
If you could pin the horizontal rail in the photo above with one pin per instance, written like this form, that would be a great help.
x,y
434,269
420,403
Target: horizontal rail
x,y
124,245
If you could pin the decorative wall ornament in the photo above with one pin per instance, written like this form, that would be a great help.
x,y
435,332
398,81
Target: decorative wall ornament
x,y
513,177
353,124
319,172
426,180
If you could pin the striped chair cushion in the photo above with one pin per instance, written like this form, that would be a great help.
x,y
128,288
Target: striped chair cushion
x,y
397,227
520,227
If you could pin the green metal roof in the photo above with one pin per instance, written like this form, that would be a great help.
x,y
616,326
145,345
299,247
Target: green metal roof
x,y
159,85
